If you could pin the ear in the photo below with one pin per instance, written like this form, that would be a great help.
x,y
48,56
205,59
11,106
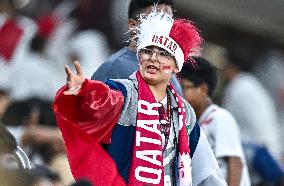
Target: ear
x,y
176,70
132,23
204,88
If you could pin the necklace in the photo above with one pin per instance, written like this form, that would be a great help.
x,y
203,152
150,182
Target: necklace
x,y
165,118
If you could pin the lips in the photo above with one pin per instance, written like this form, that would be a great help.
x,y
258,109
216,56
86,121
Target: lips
x,y
152,69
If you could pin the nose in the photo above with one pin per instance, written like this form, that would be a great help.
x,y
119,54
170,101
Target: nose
x,y
154,56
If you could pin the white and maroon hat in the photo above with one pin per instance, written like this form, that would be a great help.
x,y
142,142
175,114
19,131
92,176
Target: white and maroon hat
x,y
177,36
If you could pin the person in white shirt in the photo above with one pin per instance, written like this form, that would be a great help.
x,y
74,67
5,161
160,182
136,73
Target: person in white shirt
x,y
255,112
251,104
219,125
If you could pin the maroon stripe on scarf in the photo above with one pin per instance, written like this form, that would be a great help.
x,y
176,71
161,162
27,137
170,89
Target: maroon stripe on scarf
x,y
147,162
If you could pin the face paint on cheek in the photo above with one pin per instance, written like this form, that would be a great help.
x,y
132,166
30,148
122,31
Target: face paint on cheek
x,y
167,69
141,62
140,65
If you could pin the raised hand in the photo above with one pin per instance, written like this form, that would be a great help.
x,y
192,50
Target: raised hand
x,y
74,81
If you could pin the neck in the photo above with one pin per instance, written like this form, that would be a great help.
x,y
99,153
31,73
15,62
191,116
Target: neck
x,y
207,102
159,91
233,72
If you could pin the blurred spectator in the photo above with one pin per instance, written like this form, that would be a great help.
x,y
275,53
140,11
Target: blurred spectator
x,y
255,113
219,125
248,101
36,177
16,178
33,86
34,79
47,143
15,33
43,144
94,15
11,173
90,48
61,36
20,117
60,165
270,71
45,176
7,141
119,17
75,40
124,62
264,169
38,66
4,102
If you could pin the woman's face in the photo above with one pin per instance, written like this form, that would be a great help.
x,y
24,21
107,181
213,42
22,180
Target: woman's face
x,y
156,65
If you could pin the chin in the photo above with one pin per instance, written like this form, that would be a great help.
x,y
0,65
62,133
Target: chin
x,y
153,79
150,80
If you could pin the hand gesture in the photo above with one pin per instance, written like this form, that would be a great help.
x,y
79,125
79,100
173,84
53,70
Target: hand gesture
x,y
74,81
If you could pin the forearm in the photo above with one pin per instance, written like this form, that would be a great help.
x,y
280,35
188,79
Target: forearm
x,y
235,168
38,135
95,109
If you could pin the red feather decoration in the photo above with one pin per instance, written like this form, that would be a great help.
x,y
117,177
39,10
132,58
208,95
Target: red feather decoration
x,y
187,37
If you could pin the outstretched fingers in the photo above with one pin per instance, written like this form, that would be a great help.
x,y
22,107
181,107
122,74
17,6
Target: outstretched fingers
x,y
69,74
74,81
68,70
78,68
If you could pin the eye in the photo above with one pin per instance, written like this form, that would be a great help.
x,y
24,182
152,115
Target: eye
x,y
145,51
165,53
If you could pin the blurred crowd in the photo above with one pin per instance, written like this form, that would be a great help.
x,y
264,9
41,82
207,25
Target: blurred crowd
x,y
37,38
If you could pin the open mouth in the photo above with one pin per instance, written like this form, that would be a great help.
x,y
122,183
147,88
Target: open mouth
x,y
152,69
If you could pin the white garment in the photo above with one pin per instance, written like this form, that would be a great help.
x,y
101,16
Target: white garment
x,y
4,74
91,48
28,27
270,71
254,111
34,79
222,133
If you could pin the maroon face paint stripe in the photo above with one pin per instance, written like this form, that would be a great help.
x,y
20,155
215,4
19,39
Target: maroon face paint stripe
x,y
166,67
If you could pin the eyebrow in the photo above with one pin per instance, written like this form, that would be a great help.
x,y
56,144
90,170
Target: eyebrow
x,y
159,48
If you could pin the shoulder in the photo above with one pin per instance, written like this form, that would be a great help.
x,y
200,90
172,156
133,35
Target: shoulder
x,y
119,65
127,88
114,57
223,114
224,119
127,83
130,93
124,85
244,84
122,55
